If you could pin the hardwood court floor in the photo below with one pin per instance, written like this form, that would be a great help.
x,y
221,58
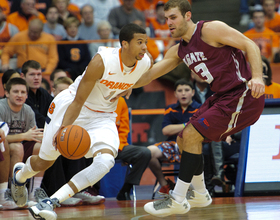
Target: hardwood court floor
x,y
227,208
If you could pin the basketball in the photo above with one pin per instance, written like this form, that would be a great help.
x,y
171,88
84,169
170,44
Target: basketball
x,y
73,142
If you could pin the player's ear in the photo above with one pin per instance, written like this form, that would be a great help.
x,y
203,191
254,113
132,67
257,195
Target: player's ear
x,y
124,44
188,15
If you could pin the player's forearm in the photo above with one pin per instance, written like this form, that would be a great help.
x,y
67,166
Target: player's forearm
x,y
254,57
71,114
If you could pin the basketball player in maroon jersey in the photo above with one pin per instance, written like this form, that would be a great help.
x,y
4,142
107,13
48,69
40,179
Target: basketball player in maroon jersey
x,y
213,51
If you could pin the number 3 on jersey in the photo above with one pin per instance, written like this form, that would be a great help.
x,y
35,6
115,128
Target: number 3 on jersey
x,y
205,72
51,108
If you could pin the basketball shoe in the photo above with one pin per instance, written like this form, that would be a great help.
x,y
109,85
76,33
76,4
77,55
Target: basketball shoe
x,y
197,199
18,190
89,199
167,206
44,209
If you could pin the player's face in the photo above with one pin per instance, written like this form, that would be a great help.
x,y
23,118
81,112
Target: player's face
x,y
33,78
176,22
17,95
184,94
138,46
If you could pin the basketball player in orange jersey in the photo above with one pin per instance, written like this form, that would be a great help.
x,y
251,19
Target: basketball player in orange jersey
x,y
87,103
213,51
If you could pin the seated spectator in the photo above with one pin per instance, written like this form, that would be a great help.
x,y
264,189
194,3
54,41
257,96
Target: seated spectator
x,y
266,39
88,27
148,7
175,118
63,12
57,73
24,138
6,30
46,85
26,13
5,7
61,84
40,5
272,18
272,89
125,14
38,98
102,9
244,10
73,58
51,26
44,53
138,156
104,30
9,74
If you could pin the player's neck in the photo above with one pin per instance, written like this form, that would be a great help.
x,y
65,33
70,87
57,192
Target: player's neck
x,y
127,59
190,31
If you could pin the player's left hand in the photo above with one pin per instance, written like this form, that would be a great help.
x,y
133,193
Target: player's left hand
x,y
257,87
55,135
126,93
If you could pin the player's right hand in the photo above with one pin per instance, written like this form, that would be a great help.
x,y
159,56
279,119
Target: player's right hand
x,y
257,87
126,93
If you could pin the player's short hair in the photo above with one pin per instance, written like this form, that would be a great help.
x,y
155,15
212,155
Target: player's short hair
x,y
30,64
183,5
63,80
183,82
127,32
15,81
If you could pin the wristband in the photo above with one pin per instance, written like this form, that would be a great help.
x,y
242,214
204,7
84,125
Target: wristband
x,y
184,124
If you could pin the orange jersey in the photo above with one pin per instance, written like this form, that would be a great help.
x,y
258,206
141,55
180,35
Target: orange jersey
x,y
274,23
4,4
21,22
272,91
122,122
45,54
266,40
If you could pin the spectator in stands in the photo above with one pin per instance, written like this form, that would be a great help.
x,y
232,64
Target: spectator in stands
x,y
266,39
44,53
104,30
175,118
138,156
38,98
125,14
61,84
57,73
26,13
148,7
51,26
63,10
5,7
272,18
272,89
102,9
73,58
46,85
7,30
24,138
9,74
244,10
40,5
88,28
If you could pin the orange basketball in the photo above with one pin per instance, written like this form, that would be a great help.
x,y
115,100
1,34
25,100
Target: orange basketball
x,y
73,142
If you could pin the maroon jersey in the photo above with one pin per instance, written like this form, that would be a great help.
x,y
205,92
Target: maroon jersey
x,y
223,68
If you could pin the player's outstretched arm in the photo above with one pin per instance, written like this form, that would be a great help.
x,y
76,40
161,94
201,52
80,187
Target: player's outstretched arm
x,y
168,63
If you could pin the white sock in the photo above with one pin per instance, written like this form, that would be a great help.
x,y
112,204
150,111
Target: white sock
x,y
180,190
63,193
198,183
3,188
26,172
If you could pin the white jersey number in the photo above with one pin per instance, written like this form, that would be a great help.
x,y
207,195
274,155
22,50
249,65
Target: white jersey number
x,y
205,72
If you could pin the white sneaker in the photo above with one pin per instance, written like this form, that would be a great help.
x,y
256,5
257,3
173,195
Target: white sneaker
x,y
18,190
197,199
71,202
89,199
8,202
44,209
167,206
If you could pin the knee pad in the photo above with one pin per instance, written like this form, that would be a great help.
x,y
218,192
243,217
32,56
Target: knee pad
x,y
106,159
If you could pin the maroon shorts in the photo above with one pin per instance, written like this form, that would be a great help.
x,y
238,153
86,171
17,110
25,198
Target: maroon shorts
x,y
223,115
28,147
